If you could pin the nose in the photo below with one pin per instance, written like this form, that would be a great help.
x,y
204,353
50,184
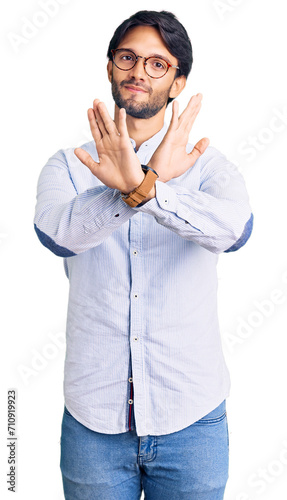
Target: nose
x,y
138,71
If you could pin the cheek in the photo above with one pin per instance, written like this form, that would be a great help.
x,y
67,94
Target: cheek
x,y
163,90
163,84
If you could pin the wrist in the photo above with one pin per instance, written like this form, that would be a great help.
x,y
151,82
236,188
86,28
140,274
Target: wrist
x,y
161,177
132,187
144,190
151,194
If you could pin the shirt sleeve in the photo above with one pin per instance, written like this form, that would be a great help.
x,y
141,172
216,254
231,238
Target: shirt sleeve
x,y
216,215
68,222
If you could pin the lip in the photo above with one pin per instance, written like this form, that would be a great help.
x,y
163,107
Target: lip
x,y
135,90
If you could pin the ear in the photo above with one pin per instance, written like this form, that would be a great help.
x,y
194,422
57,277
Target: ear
x,y
110,70
177,86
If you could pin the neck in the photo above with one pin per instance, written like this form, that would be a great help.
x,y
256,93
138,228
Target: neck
x,y
140,130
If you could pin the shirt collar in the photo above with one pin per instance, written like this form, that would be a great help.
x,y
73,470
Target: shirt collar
x,y
154,141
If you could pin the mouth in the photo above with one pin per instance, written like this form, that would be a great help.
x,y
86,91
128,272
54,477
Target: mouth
x,y
135,90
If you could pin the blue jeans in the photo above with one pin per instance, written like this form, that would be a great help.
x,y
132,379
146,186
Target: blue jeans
x,y
191,464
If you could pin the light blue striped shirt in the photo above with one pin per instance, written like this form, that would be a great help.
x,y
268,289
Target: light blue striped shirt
x,y
143,342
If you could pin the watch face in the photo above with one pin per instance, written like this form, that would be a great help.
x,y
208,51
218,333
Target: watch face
x,y
145,168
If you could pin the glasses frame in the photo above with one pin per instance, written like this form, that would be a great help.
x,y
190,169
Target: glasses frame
x,y
145,59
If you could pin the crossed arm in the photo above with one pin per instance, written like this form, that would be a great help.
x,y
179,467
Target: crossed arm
x,y
216,215
119,167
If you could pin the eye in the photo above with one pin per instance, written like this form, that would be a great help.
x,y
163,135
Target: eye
x,y
127,57
158,64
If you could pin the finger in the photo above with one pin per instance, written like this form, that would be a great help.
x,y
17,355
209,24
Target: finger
x,y
95,103
96,133
123,129
194,101
198,149
174,118
86,159
99,121
106,120
192,109
187,119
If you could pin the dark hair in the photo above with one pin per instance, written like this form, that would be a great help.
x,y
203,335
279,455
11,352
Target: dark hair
x,y
171,30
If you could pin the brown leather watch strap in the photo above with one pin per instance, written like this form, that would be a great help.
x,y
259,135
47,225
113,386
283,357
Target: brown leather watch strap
x,y
140,193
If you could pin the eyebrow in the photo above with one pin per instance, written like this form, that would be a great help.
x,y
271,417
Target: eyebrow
x,y
151,55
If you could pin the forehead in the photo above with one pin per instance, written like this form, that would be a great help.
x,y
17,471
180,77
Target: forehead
x,y
146,40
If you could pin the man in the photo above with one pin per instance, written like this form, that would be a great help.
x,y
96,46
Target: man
x,y
140,216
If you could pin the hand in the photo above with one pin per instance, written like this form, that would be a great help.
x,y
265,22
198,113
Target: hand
x,y
118,167
171,159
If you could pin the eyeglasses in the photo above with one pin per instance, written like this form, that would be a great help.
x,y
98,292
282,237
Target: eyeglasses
x,y
155,67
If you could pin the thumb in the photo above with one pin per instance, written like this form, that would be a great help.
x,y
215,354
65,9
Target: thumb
x,y
86,159
199,149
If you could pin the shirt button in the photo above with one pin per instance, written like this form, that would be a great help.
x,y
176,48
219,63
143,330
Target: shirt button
x,y
166,201
130,379
136,296
130,401
135,339
135,252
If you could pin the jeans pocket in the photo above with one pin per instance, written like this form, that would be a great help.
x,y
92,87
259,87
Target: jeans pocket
x,y
215,416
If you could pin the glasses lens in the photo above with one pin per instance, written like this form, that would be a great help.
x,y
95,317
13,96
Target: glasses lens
x,y
156,67
124,59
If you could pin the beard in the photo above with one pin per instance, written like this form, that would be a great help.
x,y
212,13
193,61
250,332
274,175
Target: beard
x,y
136,109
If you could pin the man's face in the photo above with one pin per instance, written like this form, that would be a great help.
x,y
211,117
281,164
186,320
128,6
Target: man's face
x,y
141,95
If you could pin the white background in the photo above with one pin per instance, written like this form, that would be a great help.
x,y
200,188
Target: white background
x,y
50,76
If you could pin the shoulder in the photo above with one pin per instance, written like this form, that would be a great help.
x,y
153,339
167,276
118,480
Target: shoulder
x,y
70,156
66,158
213,161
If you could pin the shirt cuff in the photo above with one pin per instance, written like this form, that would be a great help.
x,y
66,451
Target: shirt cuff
x,y
165,199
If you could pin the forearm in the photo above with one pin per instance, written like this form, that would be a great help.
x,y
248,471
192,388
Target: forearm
x,y
82,223
69,217
216,224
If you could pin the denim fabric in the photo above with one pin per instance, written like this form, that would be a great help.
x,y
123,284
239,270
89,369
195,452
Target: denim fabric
x,y
191,464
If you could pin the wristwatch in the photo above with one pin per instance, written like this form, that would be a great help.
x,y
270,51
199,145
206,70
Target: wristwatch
x,y
140,193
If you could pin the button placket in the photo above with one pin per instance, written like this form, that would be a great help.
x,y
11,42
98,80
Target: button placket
x,y
136,316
